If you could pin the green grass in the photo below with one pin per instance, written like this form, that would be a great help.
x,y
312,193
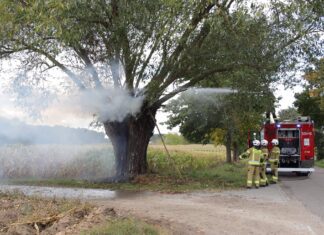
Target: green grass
x,y
125,227
320,163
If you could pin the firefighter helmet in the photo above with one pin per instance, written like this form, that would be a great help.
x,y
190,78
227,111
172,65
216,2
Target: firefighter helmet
x,y
275,142
264,142
256,143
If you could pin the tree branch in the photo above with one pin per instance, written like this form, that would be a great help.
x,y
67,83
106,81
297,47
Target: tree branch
x,y
189,84
196,43
129,61
84,56
72,75
196,19
153,50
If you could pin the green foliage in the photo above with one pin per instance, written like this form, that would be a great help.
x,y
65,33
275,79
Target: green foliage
x,y
124,227
319,142
309,106
288,114
217,136
169,139
310,102
315,79
174,139
158,42
199,115
320,163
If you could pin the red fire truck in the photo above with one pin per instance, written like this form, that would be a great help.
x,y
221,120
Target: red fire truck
x,y
296,143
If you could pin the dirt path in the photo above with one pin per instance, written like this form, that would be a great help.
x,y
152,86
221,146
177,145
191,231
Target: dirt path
x,y
263,211
271,210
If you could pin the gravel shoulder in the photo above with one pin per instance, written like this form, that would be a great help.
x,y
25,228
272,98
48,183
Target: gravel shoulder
x,y
270,210
257,211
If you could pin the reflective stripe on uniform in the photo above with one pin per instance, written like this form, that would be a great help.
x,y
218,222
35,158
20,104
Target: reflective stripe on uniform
x,y
254,163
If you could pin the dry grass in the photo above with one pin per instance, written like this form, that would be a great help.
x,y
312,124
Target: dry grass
x,y
17,209
195,150
20,214
56,161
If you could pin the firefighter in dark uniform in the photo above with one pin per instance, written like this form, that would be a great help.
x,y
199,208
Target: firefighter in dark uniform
x,y
263,166
274,160
254,155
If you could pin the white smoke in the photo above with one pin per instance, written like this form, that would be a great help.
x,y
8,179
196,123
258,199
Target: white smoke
x,y
109,104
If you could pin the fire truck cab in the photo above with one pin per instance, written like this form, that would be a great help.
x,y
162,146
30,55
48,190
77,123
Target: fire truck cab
x,y
296,143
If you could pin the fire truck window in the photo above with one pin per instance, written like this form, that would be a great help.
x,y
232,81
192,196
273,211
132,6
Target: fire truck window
x,y
288,133
306,142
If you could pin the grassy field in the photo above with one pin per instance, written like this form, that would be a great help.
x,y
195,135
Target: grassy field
x,y
320,163
191,167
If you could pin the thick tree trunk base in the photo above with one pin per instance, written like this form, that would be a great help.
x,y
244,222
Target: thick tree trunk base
x,y
130,139
113,179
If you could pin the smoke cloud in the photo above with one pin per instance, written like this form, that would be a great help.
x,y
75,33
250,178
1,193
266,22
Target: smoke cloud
x,y
109,104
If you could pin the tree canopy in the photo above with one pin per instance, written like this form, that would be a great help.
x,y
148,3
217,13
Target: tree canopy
x,y
155,45
290,113
310,102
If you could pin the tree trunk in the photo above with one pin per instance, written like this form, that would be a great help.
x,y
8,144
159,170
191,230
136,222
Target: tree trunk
x,y
235,151
130,139
228,147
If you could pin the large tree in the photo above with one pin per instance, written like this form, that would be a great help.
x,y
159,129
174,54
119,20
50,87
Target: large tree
x,y
154,49
205,116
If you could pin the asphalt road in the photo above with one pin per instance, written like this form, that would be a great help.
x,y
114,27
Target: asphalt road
x,y
308,190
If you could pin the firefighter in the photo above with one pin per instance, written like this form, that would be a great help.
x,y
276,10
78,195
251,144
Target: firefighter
x,y
263,163
254,156
274,160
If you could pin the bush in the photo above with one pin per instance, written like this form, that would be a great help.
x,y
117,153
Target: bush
x,y
320,163
319,141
